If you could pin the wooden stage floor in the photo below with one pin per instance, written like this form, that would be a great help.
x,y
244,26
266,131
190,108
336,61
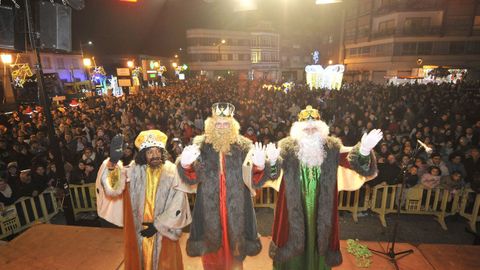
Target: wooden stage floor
x,y
47,246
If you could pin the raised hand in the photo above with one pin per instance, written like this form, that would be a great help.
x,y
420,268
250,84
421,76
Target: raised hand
x,y
369,141
258,157
116,148
189,155
272,153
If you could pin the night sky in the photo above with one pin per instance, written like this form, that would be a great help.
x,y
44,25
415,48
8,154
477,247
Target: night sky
x,y
157,27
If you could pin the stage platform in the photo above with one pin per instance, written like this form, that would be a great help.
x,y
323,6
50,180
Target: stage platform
x,y
47,246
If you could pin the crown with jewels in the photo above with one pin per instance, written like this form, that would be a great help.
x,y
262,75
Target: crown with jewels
x,y
309,113
223,109
150,138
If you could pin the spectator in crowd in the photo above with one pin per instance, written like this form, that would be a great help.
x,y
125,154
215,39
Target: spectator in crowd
x,y
39,176
472,165
452,182
436,160
389,172
455,164
250,134
90,172
431,179
7,195
90,156
26,187
422,166
78,173
411,177
12,172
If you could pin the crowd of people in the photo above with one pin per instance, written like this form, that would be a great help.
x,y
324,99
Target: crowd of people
x,y
446,117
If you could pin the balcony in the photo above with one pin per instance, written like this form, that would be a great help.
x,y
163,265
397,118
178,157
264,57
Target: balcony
x,y
409,5
421,31
407,32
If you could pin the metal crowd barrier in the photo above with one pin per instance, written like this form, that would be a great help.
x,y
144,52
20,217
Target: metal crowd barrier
x,y
469,208
28,211
354,201
265,197
438,202
381,199
84,198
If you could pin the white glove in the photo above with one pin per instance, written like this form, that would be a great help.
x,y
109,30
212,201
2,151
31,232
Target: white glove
x,y
272,153
258,157
189,155
369,141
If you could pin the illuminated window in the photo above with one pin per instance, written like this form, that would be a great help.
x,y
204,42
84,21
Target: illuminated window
x,y
255,57
476,23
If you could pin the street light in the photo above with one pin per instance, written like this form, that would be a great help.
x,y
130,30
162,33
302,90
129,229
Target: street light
x,y
330,62
174,65
176,55
87,62
130,63
7,59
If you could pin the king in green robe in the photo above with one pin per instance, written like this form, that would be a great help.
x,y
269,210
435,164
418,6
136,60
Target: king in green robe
x,y
314,168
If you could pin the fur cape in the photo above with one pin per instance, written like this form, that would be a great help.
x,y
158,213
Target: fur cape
x,y
206,230
171,213
327,226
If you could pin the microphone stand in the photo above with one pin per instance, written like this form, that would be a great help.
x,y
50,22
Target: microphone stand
x,y
390,254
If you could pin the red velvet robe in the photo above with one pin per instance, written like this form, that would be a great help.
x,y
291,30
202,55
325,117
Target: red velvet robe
x,y
222,259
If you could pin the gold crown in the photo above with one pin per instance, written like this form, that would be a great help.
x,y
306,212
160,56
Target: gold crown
x,y
223,109
150,138
309,114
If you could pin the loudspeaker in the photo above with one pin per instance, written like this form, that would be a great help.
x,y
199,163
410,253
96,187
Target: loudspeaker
x,y
12,28
7,40
54,23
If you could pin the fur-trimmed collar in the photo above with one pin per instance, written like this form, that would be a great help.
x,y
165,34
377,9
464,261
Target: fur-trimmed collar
x,y
243,142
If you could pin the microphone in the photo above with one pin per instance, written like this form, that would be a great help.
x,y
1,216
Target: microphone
x,y
428,150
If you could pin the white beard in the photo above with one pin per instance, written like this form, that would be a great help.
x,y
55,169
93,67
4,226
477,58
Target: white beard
x,y
311,146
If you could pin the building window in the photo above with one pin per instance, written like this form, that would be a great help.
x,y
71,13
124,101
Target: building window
x,y
457,47
363,31
386,26
441,48
473,47
75,63
379,50
255,57
409,48
458,23
425,48
46,62
412,23
365,51
60,63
